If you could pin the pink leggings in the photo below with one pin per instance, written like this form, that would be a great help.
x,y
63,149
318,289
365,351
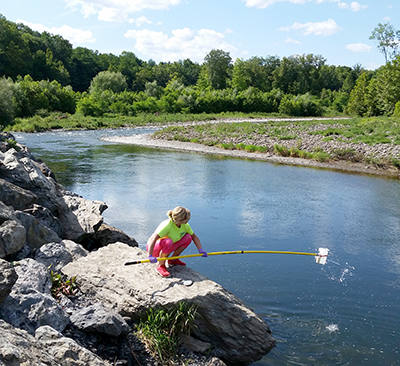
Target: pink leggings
x,y
167,246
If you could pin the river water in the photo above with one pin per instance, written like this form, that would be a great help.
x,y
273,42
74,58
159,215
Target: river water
x,y
344,313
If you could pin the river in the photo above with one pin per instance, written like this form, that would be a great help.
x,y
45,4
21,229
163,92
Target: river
x,y
344,313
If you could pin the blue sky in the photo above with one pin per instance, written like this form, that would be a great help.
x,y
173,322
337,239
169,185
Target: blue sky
x,y
172,30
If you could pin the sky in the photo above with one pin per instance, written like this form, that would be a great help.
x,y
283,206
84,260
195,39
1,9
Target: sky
x,y
173,30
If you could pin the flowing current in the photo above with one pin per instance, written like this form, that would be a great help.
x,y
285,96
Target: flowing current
x,y
344,313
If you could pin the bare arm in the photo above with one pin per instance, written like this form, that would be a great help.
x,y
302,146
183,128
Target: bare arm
x,y
196,241
151,242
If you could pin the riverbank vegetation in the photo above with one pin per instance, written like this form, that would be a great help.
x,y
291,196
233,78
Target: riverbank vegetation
x,y
46,84
374,141
43,74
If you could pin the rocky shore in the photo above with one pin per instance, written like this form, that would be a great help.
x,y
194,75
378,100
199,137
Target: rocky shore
x,y
49,235
356,163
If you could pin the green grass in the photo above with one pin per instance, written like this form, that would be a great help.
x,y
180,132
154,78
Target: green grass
x,y
371,131
56,121
161,330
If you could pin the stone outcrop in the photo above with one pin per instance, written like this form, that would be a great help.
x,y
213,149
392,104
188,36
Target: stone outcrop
x,y
237,335
99,318
30,303
8,277
35,209
48,232
45,347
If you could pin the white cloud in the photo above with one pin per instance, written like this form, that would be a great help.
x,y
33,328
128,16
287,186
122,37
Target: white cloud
x,y
117,10
262,4
184,43
358,47
354,6
290,40
112,15
75,36
326,28
140,21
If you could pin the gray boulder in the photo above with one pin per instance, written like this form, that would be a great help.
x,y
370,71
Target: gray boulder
x,y
18,168
99,318
74,216
12,233
76,250
82,216
53,256
236,333
47,347
36,233
8,277
12,237
30,303
15,196
46,218
107,234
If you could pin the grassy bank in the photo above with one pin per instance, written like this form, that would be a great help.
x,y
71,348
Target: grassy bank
x,y
57,121
374,141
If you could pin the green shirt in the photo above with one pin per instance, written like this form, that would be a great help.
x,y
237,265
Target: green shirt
x,y
168,228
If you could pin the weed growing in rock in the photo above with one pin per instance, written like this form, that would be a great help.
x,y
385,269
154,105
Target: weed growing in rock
x,y
61,286
162,330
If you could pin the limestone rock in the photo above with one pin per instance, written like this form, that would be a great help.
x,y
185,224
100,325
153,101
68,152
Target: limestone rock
x,y
53,256
98,318
46,218
12,237
107,234
36,233
83,216
237,334
12,233
8,277
74,216
76,250
15,196
47,347
30,303
19,169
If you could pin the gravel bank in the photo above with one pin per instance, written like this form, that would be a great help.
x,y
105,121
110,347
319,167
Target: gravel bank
x,y
303,141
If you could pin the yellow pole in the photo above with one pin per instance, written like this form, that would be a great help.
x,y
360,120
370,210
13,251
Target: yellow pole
x,y
222,253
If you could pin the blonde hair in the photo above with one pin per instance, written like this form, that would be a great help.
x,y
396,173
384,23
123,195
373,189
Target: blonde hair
x,y
179,215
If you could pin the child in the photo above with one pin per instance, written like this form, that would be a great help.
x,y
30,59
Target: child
x,y
172,235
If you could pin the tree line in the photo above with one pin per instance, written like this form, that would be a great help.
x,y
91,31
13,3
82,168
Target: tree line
x,y
44,73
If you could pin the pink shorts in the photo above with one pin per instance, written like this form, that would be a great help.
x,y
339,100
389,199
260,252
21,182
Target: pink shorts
x,y
166,245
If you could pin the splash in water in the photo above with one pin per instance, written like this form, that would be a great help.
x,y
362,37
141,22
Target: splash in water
x,y
332,328
346,272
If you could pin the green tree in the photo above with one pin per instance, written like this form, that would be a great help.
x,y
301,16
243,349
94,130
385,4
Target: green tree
x,y
129,65
218,64
153,90
108,80
14,51
388,40
255,72
388,86
83,68
358,97
286,76
7,106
